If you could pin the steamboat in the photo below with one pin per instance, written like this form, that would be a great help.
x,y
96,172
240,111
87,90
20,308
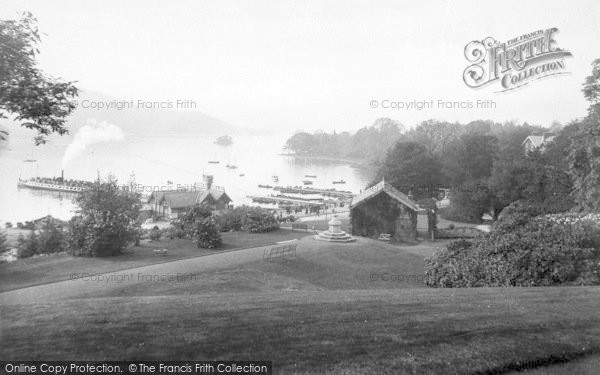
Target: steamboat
x,y
54,184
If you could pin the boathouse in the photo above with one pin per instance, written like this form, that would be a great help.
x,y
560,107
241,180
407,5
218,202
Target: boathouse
x,y
382,209
171,204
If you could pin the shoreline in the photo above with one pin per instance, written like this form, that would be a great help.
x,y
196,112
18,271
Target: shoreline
x,y
354,162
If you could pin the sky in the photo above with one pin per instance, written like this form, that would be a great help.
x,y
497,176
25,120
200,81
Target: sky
x,y
289,65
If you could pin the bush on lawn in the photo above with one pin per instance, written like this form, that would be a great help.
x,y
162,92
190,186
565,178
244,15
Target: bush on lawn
x,y
27,246
106,223
249,219
186,224
175,232
232,219
3,242
207,234
523,250
155,233
50,239
261,220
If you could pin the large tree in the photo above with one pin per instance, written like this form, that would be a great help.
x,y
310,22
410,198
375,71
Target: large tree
x,y
470,158
436,135
531,179
409,167
107,220
584,155
27,95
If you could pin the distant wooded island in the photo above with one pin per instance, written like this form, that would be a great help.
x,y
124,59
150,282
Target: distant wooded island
x,y
224,140
368,144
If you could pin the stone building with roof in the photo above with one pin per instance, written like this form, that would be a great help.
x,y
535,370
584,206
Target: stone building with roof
x,y
171,204
382,209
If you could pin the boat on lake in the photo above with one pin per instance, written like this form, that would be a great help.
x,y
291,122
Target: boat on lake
x,y
213,162
310,176
339,182
54,184
224,140
307,182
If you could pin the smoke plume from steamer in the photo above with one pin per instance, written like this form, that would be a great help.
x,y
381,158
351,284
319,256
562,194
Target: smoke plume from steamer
x,y
93,132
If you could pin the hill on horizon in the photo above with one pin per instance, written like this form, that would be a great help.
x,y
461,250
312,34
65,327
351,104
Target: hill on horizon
x,y
137,120
146,120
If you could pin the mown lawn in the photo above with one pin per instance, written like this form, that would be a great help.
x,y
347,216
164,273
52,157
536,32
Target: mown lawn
x,y
39,270
363,264
395,331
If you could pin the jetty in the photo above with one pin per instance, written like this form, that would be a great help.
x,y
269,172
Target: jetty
x,y
309,190
275,200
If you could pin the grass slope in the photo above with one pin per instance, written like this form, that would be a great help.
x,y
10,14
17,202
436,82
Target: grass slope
x,y
38,270
368,331
364,264
322,312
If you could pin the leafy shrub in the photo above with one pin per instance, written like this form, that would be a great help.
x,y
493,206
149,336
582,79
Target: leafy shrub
x,y
3,242
8,225
245,218
522,251
287,219
261,220
175,232
207,234
107,222
468,203
155,233
186,223
27,246
51,238
231,219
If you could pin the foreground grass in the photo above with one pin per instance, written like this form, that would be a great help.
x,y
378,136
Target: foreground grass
x,y
364,264
39,270
343,331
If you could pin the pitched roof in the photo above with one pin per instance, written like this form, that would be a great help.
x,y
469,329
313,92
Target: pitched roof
x,y
538,140
182,199
385,188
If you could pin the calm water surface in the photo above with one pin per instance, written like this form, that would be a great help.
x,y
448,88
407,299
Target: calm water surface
x,y
157,159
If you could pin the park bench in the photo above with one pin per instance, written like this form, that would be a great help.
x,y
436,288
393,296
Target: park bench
x,y
299,226
284,249
385,237
161,251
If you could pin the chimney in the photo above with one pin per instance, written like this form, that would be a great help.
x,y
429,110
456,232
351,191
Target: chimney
x,y
62,175
207,180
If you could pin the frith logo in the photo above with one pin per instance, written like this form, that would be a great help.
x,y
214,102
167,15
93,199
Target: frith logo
x,y
515,63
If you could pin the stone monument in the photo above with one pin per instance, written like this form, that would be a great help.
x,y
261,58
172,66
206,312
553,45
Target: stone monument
x,y
335,232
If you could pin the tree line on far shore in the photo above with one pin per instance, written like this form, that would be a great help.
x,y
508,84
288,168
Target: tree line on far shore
x,y
483,164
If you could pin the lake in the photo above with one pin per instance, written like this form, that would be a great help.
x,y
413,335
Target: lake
x,y
156,159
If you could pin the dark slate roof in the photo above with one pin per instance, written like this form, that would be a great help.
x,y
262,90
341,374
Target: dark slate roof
x,y
384,187
180,199
183,199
